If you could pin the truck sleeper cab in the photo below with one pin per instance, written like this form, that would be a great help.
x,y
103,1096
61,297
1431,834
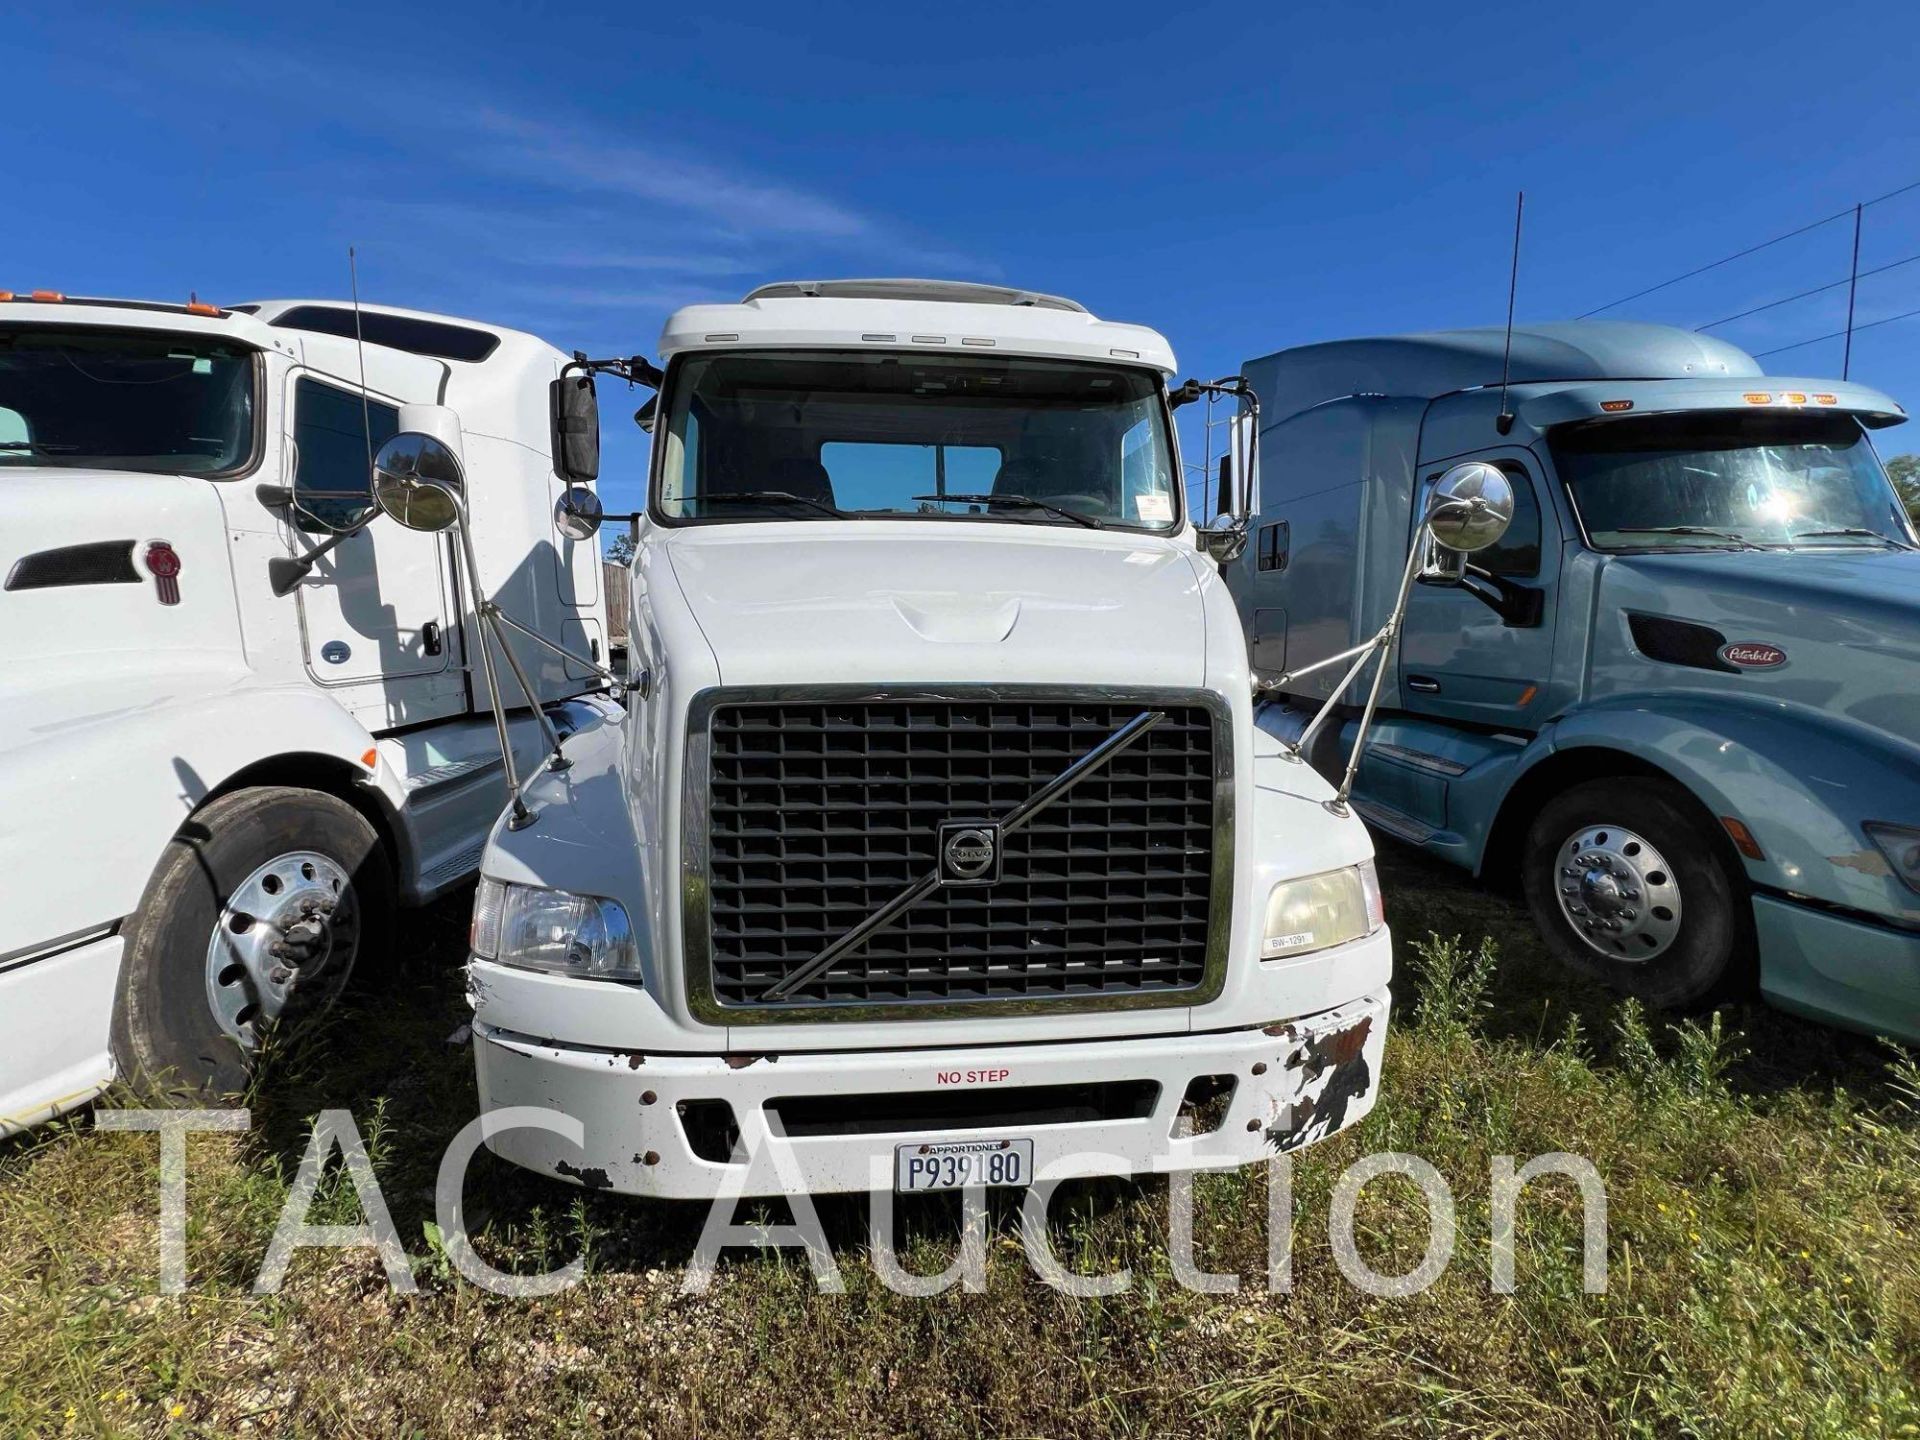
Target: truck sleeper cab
x,y
939,845
238,724
1676,701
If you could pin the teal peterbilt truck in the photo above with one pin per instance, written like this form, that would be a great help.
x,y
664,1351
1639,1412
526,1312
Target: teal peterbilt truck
x,y
1680,698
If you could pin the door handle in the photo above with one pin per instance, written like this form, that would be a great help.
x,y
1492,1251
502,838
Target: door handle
x,y
1423,684
430,637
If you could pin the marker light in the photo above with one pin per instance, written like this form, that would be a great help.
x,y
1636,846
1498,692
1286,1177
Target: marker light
x,y
1742,838
1826,399
1794,397
5,295
1614,406
48,297
1757,397
200,307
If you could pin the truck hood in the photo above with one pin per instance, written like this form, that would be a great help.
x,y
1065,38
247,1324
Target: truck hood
x,y
1847,621
931,603
65,608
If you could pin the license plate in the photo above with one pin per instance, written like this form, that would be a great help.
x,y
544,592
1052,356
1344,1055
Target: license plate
x,y
952,1164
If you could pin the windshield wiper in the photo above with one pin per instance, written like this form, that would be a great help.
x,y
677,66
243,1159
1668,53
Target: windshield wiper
x,y
1707,530
1852,530
39,447
1021,502
769,497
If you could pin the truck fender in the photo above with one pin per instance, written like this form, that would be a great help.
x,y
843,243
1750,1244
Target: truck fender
x,y
94,803
1799,780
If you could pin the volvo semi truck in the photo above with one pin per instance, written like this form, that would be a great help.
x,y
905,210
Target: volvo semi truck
x,y
238,719
1679,701
939,844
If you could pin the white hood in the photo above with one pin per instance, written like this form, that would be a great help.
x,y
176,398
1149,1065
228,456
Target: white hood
x,y
914,602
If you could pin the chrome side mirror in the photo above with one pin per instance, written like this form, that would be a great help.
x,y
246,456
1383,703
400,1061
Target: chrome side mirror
x,y
1469,508
1224,539
418,482
578,513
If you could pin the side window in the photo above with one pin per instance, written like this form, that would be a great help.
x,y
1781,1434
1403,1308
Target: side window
x,y
330,483
1517,555
1275,540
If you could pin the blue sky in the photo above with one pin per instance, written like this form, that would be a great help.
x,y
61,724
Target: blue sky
x,y
1243,178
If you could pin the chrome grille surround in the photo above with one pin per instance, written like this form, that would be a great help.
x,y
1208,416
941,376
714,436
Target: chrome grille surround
x,y
895,976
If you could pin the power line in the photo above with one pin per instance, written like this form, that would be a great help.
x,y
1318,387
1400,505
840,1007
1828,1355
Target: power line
x,y
1754,249
1817,290
1834,334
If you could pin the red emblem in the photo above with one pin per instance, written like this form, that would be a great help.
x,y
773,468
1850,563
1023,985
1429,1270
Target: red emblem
x,y
164,565
1750,656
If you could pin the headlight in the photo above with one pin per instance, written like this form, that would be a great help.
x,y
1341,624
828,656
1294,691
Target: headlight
x,y
1901,845
1322,911
553,930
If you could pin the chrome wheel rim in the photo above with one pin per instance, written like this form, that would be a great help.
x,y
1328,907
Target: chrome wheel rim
x,y
288,933
1617,893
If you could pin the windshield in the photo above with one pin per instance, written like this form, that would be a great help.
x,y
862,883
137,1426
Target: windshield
x,y
125,400
1727,478
822,436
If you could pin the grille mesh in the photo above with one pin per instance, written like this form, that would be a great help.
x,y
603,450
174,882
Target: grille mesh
x,y
821,812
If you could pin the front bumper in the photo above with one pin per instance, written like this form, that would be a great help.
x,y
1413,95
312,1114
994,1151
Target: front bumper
x,y
1842,969
1293,1082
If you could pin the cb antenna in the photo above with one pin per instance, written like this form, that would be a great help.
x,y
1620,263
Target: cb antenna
x,y
360,346
1504,421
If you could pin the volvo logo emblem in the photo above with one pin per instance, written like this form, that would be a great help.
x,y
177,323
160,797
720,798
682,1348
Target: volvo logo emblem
x,y
969,852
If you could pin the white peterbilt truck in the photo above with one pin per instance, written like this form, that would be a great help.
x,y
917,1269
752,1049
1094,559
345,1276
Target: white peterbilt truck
x,y
939,844
238,718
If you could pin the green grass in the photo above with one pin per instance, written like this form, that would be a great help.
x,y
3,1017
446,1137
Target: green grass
x,y
1764,1258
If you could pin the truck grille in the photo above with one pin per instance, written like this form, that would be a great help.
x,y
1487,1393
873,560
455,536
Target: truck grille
x,y
819,813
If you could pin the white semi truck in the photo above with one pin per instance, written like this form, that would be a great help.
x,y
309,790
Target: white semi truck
x,y
938,844
239,715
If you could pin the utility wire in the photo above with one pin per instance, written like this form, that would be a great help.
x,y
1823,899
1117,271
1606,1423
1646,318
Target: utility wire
x,y
1752,249
1817,290
1835,334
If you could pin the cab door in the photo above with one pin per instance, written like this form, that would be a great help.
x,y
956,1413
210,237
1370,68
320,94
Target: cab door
x,y
1458,659
373,614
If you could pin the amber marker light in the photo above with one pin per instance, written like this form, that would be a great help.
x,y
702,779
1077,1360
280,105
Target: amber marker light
x,y
1742,838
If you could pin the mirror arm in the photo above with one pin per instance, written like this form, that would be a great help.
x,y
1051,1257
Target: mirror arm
x,y
634,369
285,572
1520,607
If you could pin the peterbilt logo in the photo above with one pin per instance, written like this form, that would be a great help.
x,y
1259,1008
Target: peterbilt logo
x,y
1749,655
969,852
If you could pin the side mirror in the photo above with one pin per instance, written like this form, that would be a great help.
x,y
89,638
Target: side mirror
x,y
1469,508
1224,540
577,515
576,427
418,482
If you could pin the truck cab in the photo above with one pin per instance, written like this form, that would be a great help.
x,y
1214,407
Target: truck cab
x,y
939,845
238,723
1676,700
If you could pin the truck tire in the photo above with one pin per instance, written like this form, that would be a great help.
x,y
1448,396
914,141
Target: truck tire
x,y
255,915
1629,886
